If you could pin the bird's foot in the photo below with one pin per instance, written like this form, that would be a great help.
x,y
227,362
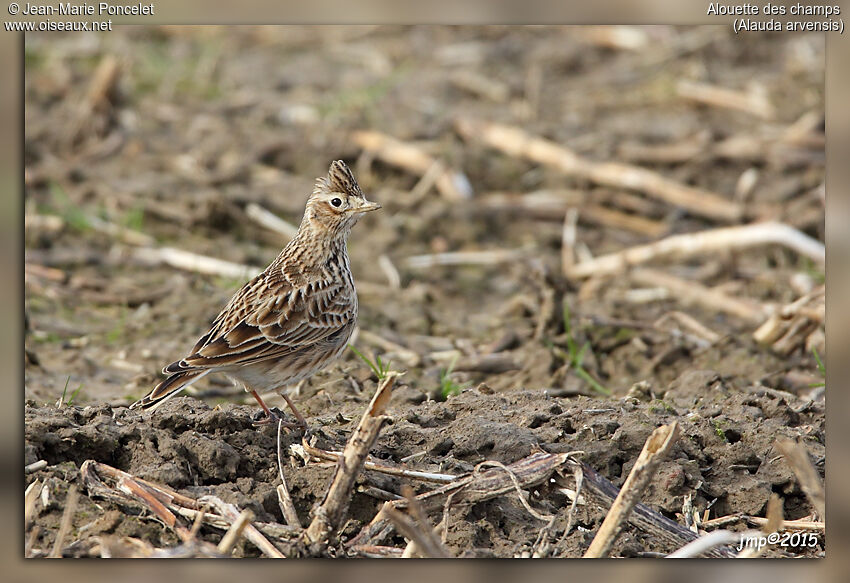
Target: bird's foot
x,y
273,417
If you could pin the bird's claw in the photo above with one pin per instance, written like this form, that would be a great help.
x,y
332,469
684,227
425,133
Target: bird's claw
x,y
261,419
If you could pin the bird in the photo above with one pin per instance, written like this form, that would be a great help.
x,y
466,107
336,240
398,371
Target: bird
x,y
295,317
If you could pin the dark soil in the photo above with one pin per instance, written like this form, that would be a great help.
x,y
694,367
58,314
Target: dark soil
x,y
203,122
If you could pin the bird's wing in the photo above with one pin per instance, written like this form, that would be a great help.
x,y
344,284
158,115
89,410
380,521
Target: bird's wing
x,y
268,319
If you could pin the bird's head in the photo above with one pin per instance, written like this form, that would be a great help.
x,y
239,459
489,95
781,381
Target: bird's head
x,y
337,201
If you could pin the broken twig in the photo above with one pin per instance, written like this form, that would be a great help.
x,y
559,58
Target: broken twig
x,y
161,500
188,261
753,103
287,507
475,487
35,466
692,292
517,142
67,519
654,450
231,513
419,532
451,184
493,257
793,324
269,220
383,468
231,537
703,242
328,516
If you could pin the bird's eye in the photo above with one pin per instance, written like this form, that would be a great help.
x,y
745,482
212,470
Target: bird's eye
x,y
337,202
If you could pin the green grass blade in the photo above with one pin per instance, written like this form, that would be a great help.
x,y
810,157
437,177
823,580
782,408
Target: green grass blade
x,y
64,391
587,377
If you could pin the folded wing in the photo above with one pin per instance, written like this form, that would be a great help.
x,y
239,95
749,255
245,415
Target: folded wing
x,y
262,323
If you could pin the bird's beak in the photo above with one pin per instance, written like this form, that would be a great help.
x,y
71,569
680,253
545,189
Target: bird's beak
x,y
367,206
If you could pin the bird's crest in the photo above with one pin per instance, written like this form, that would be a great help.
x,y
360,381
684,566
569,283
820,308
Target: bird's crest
x,y
340,179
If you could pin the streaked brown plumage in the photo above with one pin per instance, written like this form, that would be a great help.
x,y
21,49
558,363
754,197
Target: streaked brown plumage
x,y
295,317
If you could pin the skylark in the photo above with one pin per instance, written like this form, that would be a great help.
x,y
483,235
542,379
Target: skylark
x,y
295,317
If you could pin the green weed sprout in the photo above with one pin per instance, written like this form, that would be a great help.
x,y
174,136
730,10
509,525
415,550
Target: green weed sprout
x,y
379,367
575,355
61,204
447,386
70,401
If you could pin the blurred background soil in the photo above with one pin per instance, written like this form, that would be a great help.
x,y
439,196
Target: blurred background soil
x,y
147,142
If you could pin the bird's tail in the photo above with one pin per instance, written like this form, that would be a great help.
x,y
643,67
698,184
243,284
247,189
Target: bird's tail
x,y
168,388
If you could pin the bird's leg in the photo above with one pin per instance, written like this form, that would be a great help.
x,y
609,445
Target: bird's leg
x,y
272,415
301,421
275,416
262,403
